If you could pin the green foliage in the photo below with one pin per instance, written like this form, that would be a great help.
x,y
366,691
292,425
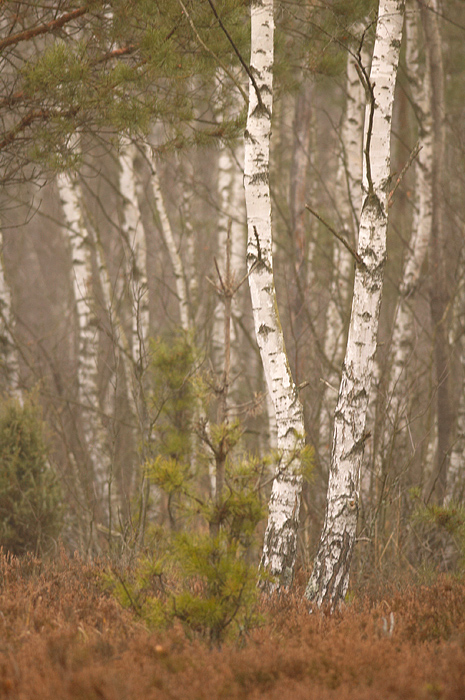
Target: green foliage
x,y
30,512
175,389
326,31
127,70
440,529
205,581
202,572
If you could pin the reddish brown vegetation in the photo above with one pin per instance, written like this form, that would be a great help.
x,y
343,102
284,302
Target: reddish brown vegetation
x,y
61,637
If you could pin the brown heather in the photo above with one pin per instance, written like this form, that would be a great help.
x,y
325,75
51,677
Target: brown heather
x,y
62,636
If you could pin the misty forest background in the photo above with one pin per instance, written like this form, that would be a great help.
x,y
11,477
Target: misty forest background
x,y
119,262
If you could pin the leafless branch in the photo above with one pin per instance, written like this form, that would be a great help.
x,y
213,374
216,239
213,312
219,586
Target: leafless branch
x,y
28,34
415,151
238,54
344,242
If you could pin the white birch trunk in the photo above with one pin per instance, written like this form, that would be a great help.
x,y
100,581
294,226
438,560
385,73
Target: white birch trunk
x,y
88,398
134,235
456,476
395,419
330,577
168,236
224,224
439,265
230,224
348,197
280,544
10,355
191,272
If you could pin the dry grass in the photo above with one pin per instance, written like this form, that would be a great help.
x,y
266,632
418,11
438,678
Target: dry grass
x,y
61,637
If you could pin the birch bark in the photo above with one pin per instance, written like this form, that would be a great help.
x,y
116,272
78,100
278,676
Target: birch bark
x,y
439,294
348,197
456,475
330,577
10,355
280,543
134,235
395,419
167,233
88,395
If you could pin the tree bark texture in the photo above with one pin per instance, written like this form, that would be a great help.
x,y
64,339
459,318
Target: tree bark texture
x,y
348,200
395,420
95,481
134,235
439,294
280,543
7,342
168,236
330,577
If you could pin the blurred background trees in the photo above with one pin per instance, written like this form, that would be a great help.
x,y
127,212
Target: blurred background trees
x,y
121,160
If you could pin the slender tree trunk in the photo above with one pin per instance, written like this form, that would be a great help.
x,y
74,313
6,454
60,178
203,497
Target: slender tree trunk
x,y
394,422
280,544
188,233
348,198
134,236
456,475
298,189
10,355
167,233
330,577
439,295
94,483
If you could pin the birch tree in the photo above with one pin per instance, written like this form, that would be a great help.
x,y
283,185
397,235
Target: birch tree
x,y
395,419
348,198
456,473
280,543
10,354
134,237
95,481
330,576
439,294
170,241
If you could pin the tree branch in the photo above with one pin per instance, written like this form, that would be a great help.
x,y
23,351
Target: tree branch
x,y
344,242
28,34
238,54
212,53
415,151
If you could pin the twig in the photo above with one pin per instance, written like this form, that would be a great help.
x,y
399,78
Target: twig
x,y
238,54
415,151
344,242
51,26
369,88
206,48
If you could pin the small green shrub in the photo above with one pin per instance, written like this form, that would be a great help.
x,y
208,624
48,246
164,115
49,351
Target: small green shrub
x,y
30,512
440,532
207,582
202,570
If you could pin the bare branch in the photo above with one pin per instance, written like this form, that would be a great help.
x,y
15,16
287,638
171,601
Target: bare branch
x,y
344,242
43,28
212,53
238,54
415,151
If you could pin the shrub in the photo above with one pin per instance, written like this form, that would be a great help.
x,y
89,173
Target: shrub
x,y
202,570
30,512
206,581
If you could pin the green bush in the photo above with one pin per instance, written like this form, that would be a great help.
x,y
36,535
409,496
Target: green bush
x,y
207,582
30,510
202,571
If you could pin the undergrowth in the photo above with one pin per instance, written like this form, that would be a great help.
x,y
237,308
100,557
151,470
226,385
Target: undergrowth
x,y
62,635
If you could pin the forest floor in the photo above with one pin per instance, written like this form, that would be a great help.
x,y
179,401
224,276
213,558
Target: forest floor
x,y
62,636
